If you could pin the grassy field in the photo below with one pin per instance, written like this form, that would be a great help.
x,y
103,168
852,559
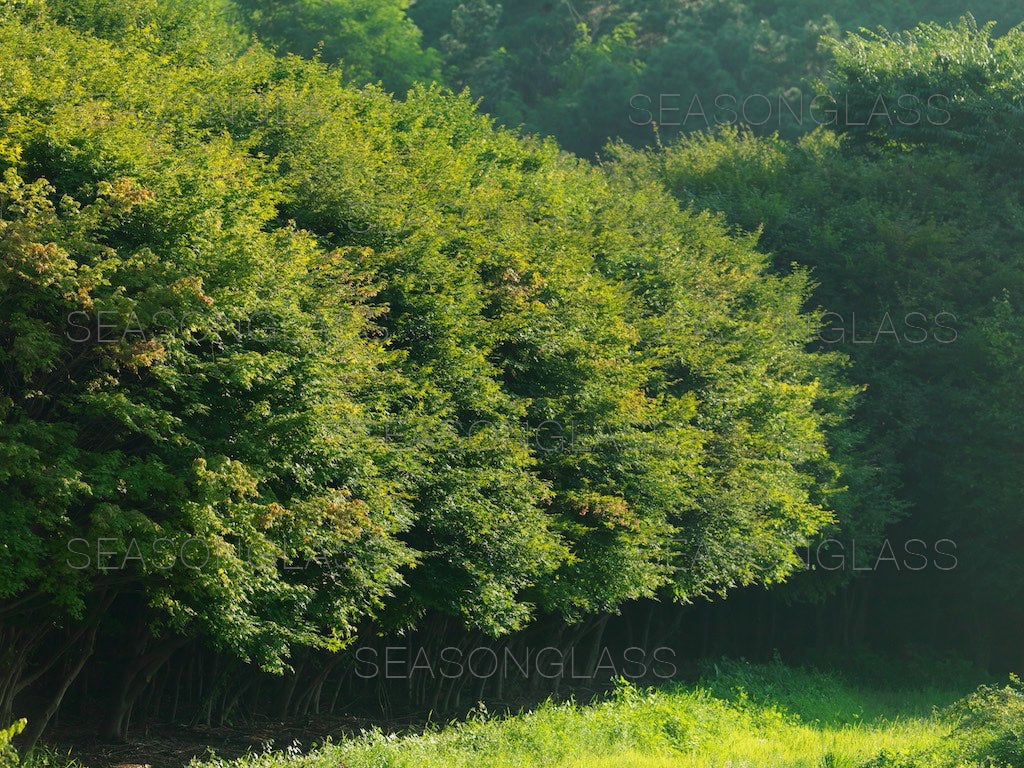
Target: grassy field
x,y
738,716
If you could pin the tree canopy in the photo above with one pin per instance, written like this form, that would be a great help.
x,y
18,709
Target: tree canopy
x,y
281,355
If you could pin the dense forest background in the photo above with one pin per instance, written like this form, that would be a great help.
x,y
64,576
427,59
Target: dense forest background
x,y
355,324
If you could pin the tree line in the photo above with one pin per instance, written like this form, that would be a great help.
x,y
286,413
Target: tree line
x,y
288,362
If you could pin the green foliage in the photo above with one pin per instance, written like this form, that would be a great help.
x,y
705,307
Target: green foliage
x,y
170,376
986,728
474,60
522,291
907,233
197,31
751,179
933,86
370,359
590,71
281,356
373,40
990,725
8,755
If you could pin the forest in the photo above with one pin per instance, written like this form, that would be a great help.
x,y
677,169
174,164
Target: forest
x,y
372,365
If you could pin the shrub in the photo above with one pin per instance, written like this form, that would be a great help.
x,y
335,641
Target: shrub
x,y
986,729
989,726
8,755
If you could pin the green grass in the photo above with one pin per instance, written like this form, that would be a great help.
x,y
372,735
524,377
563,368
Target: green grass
x,y
738,716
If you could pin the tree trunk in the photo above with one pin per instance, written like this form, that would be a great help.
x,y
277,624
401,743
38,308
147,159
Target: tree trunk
x,y
38,725
137,675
